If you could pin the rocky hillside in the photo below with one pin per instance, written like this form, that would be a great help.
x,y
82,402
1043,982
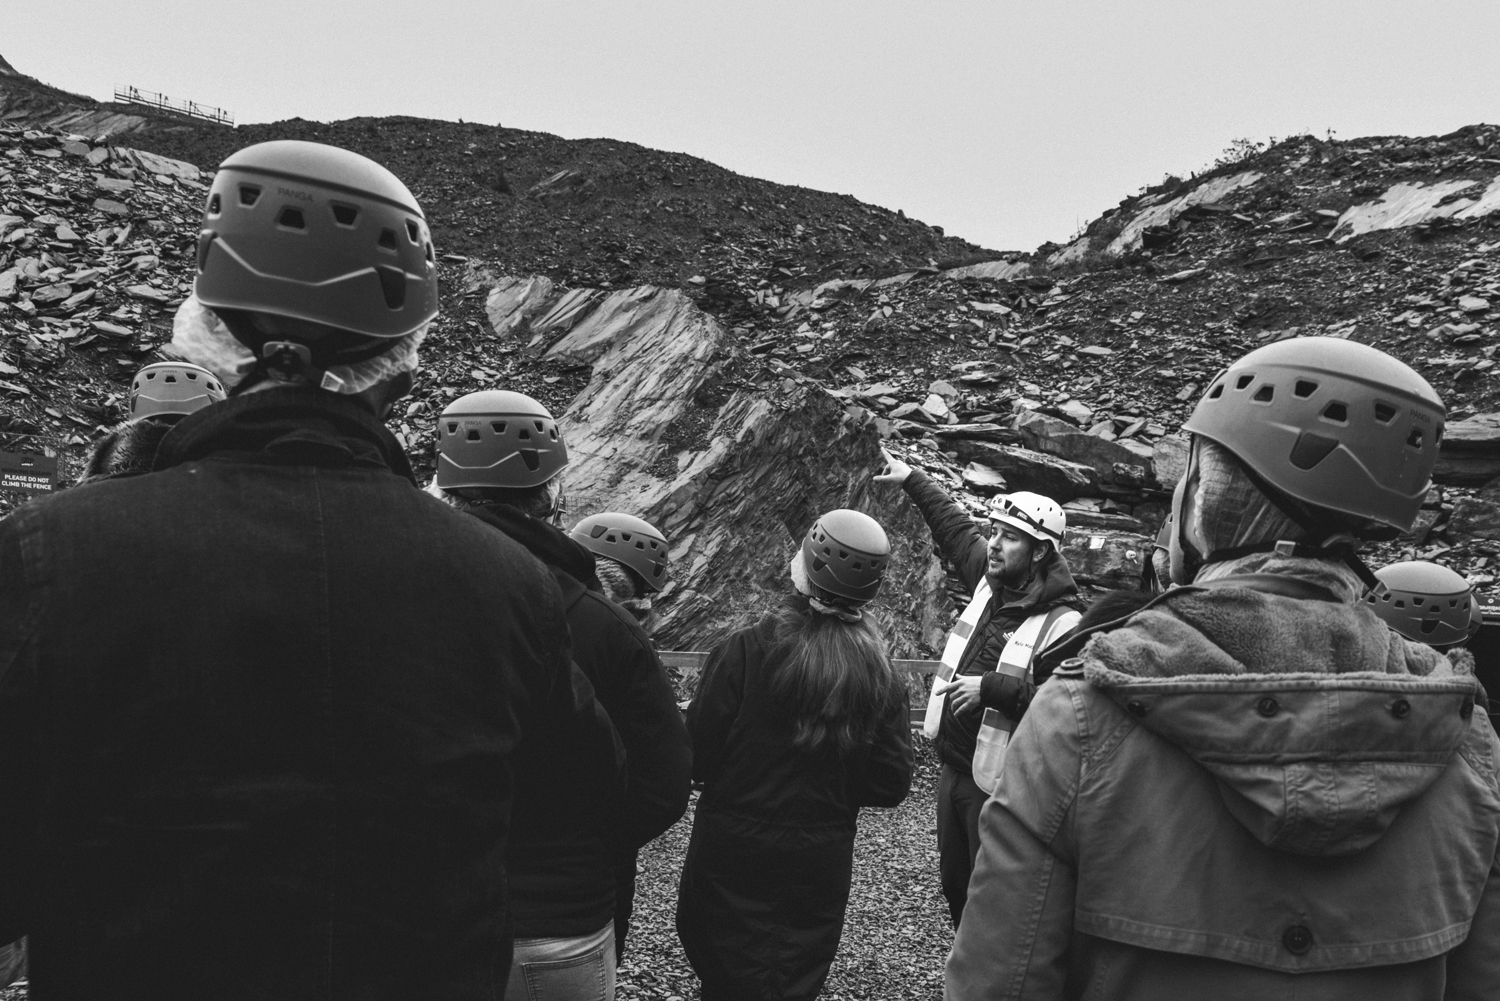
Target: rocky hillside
x,y
730,353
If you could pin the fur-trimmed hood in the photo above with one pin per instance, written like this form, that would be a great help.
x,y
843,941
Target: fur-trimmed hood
x,y
1317,721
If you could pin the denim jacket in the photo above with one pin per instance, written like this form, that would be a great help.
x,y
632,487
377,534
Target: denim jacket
x,y
1242,795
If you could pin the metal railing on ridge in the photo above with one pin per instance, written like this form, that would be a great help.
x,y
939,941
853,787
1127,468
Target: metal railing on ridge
x,y
161,102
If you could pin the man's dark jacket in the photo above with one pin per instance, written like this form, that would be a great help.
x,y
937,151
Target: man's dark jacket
x,y
965,548
564,853
257,710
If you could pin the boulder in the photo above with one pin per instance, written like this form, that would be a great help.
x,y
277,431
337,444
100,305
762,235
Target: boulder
x,y
997,433
1120,465
1024,469
984,480
1082,519
1470,451
1107,558
1479,515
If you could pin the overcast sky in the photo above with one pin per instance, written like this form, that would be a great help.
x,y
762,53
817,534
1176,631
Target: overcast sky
x,y
1006,123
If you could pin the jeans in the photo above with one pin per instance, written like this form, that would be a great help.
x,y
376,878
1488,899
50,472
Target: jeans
x,y
564,969
959,801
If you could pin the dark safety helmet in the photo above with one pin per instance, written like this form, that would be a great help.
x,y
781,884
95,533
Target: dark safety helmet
x,y
497,438
1426,603
173,388
626,539
1335,424
316,233
845,554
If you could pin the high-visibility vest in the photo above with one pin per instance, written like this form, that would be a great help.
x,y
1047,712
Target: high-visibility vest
x,y
1033,634
995,728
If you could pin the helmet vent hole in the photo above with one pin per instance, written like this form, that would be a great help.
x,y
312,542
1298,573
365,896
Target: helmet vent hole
x,y
191,376
291,218
393,285
497,426
1429,625
345,215
169,378
1415,438
473,434
1336,412
1311,449
430,258
214,204
453,427
387,239
857,565
1304,388
1384,412
1417,600
539,426
554,434
1216,392
412,232
249,194
639,544
1264,394
598,531
843,555
818,565
1244,381
625,536
532,459
1399,604
523,434
150,376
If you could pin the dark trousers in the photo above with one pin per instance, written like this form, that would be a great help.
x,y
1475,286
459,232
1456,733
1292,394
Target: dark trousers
x,y
959,801
625,874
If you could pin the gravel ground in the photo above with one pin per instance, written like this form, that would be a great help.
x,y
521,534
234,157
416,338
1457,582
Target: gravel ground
x,y
896,931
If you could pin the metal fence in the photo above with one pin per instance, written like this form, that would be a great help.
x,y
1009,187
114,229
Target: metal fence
x,y
161,102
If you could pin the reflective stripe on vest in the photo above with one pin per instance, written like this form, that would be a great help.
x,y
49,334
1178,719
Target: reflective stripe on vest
x,y
953,653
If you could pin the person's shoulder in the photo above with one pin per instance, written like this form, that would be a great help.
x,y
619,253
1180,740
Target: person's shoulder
x,y
611,616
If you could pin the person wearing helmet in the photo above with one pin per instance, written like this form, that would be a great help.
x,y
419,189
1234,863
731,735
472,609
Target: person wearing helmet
x,y
258,708
630,561
630,557
799,720
501,459
1017,578
1426,603
1251,787
161,394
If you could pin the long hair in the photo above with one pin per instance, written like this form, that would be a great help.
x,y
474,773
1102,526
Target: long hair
x,y
834,676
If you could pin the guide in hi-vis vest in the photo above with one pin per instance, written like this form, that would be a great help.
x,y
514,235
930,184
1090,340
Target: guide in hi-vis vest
x,y
1016,575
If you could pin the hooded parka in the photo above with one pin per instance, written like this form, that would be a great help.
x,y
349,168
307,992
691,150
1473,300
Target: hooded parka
x,y
1240,794
760,906
257,712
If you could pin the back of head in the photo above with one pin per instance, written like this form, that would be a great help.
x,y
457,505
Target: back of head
x,y
173,389
629,541
498,439
1330,437
834,672
318,261
1426,603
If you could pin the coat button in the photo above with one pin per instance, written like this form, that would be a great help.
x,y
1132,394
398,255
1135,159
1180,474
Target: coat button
x,y
1297,939
1400,709
1466,709
1136,708
1268,707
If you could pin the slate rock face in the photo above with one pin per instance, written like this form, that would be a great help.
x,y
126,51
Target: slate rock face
x,y
1024,469
1107,558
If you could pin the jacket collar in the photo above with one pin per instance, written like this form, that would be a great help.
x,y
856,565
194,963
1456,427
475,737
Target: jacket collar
x,y
287,425
543,540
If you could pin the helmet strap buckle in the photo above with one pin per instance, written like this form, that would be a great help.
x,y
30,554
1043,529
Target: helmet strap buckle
x,y
1286,547
287,361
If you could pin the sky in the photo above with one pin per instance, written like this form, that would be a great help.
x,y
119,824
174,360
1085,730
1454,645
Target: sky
x,y
1006,123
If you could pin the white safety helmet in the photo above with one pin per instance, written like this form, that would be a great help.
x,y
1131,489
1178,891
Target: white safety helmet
x,y
1040,517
